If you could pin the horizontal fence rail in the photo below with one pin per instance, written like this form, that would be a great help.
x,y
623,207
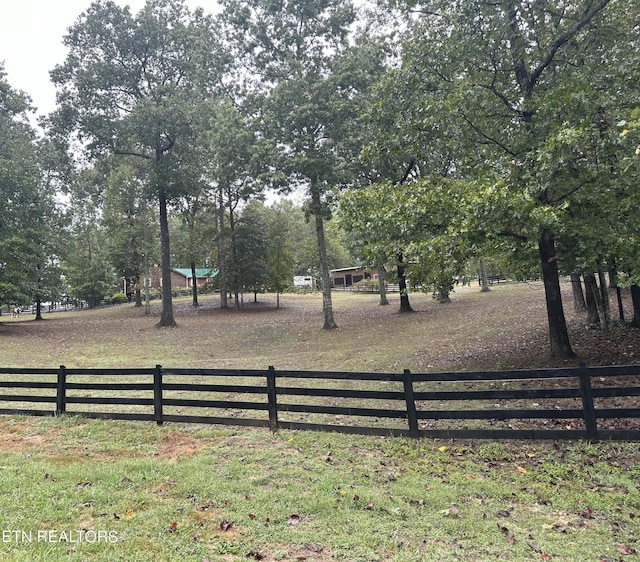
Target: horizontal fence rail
x,y
595,403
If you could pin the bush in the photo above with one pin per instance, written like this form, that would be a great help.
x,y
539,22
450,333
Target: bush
x,y
119,298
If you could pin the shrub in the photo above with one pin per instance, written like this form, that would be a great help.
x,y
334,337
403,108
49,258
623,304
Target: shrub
x,y
119,298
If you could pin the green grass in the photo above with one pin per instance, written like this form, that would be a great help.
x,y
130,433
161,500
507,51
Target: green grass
x,y
195,493
165,493
369,338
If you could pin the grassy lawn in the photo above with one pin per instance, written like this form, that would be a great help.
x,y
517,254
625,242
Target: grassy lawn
x,y
85,490
370,337
173,493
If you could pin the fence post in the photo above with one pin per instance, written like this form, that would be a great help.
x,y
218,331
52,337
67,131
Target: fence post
x,y
588,408
272,399
412,414
157,394
61,391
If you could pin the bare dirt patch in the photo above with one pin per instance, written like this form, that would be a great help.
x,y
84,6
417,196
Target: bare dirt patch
x,y
178,445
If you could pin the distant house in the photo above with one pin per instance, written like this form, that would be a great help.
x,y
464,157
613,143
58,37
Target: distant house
x,y
348,276
181,277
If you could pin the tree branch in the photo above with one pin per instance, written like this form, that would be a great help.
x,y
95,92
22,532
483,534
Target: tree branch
x,y
563,39
487,137
131,153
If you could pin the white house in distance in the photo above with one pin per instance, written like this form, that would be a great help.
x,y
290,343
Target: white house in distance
x,y
305,282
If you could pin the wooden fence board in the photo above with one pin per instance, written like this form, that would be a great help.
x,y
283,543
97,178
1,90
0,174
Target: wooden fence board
x,y
26,398
342,411
223,404
498,414
517,394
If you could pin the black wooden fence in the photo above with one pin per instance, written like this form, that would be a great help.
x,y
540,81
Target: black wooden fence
x,y
595,403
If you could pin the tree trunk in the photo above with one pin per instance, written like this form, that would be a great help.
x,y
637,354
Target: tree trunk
x,y
327,305
579,304
560,344
194,284
147,295
604,295
484,281
635,299
166,320
382,275
620,305
234,257
591,292
443,296
405,306
222,270
138,297
38,309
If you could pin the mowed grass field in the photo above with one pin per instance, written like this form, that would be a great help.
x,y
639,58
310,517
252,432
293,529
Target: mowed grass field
x,y
505,327
78,489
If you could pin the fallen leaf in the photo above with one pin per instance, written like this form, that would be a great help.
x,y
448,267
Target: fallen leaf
x,y
172,528
522,470
252,516
452,511
625,549
225,525
505,531
369,506
559,527
293,519
254,555
587,513
443,448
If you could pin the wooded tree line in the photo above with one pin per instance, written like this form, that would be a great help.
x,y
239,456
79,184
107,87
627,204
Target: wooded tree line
x,y
436,132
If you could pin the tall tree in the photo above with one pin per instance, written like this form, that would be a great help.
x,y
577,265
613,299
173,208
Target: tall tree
x,y
520,81
311,85
128,220
88,272
233,175
135,85
30,243
279,258
196,232
251,244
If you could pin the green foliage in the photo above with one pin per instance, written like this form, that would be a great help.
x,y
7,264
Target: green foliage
x,y
88,272
251,271
128,218
30,223
280,249
119,298
138,86
426,220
